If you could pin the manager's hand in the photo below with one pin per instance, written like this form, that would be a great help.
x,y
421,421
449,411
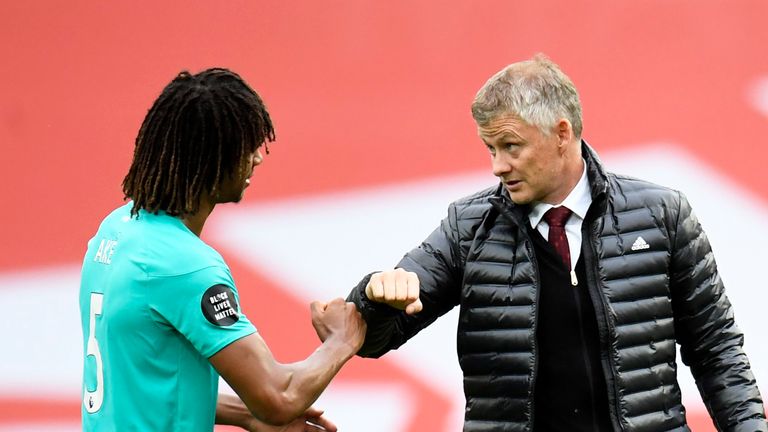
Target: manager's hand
x,y
397,288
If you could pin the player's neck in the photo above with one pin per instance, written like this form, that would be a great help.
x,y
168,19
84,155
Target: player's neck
x,y
196,221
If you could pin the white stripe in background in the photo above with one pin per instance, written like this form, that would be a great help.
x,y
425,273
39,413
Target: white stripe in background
x,y
374,407
42,340
320,246
757,95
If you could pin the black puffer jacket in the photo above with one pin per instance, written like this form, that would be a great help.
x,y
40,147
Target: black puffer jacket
x,y
646,299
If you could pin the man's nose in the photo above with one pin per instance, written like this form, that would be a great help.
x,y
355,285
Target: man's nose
x,y
257,158
500,165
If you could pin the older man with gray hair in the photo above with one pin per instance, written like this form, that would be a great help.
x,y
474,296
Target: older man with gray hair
x,y
574,284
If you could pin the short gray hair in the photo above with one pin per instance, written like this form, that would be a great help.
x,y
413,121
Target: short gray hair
x,y
535,90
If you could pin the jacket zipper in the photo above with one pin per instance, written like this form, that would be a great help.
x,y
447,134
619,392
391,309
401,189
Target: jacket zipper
x,y
535,265
603,313
521,229
584,354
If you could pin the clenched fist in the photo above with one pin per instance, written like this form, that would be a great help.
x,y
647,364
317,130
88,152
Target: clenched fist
x,y
339,319
397,288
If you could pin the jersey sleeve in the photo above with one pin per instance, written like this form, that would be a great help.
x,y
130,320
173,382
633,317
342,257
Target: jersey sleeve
x,y
203,306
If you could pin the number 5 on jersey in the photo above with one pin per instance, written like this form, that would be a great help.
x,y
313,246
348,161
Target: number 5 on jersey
x,y
92,399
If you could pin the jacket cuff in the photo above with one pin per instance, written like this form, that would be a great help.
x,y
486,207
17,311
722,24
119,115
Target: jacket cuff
x,y
751,425
370,310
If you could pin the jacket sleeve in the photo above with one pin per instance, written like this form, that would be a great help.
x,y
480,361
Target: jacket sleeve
x,y
438,265
710,341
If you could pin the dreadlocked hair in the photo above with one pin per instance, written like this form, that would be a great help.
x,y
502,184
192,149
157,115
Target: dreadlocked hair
x,y
194,136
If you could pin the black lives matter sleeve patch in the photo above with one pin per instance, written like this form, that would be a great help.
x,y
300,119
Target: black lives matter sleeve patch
x,y
220,306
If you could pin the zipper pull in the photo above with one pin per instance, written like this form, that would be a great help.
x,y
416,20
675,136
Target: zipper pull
x,y
574,281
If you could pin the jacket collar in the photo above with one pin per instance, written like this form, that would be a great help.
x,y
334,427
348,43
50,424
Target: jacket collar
x,y
598,180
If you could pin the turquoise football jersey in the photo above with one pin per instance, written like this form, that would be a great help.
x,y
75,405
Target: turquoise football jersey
x,y
155,302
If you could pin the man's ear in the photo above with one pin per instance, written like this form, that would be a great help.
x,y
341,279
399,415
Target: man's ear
x,y
564,132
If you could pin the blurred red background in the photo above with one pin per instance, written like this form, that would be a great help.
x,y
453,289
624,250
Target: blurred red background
x,y
362,94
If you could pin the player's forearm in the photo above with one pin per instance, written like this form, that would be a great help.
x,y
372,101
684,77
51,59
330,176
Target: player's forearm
x,y
304,381
230,410
275,393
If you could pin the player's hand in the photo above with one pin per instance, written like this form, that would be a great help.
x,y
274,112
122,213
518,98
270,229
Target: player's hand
x,y
311,421
339,319
397,288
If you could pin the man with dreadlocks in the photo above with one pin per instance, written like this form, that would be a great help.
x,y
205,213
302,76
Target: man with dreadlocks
x,y
159,308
